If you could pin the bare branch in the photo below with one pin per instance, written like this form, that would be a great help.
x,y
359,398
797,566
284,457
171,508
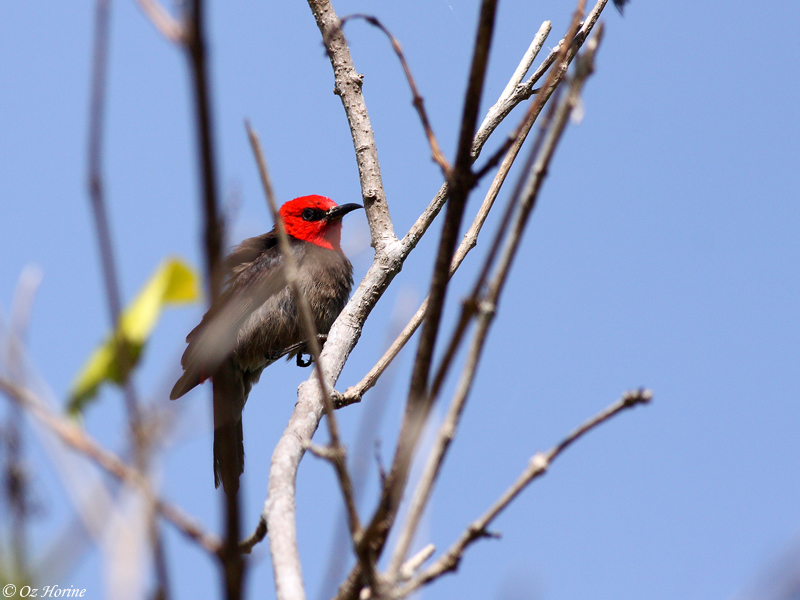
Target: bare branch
x,y
246,545
354,393
348,87
415,562
494,116
537,467
336,452
525,90
418,404
233,565
97,197
196,47
78,439
418,102
486,307
429,214
166,24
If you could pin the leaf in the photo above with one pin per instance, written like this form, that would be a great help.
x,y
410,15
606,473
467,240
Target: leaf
x,y
174,282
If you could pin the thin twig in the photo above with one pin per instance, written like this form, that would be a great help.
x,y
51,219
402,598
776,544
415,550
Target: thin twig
x,y
77,438
167,25
246,545
233,565
418,102
418,406
537,466
525,90
97,196
487,305
424,221
335,452
16,473
516,80
196,47
96,191
406,572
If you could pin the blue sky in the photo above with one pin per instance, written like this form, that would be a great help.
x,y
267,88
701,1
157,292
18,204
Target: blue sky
x,y
664,252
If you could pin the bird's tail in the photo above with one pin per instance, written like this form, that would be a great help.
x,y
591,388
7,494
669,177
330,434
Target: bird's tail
x,y
229,398
228,455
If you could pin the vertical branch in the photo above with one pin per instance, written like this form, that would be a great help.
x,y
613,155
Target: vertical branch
x,y
336,450
348,87
233,563
16,476
486,306
195,44
97,195
459,184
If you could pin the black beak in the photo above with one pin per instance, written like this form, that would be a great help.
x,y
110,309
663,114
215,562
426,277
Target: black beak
x,y
337,212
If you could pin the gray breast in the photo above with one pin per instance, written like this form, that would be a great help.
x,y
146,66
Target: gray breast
x,y
326,278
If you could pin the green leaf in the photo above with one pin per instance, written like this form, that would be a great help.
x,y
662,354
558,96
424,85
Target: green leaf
x,y
174,282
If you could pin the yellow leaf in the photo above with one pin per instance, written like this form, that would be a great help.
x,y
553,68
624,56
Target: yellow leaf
x,y
173,283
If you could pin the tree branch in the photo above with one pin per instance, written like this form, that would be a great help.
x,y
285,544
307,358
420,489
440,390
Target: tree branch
x,y
418,102
348,87
485,310
164,22
429,214
78,439
418,404
355,393
335,453
232,561
537,467
97,197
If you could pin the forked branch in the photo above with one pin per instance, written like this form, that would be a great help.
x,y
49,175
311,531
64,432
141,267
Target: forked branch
x,y
537,466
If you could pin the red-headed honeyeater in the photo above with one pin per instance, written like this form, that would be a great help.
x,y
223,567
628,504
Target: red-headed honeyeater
x,y
255,320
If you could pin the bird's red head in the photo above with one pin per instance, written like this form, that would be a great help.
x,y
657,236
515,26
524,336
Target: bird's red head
x,y
316,219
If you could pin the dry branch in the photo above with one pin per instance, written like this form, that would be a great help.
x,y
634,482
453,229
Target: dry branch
x,y
233,564
78,439
459,185
279,508
354,393
537,466
418,102
484,308
335,453
166,24
98,202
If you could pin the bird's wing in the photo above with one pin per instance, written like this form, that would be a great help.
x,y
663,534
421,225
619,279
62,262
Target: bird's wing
x,y
246,253
255,272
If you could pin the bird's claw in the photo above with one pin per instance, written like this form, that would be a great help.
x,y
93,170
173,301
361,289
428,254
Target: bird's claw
x,y
304,363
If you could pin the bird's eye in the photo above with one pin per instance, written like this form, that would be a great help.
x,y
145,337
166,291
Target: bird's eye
x,y
308,214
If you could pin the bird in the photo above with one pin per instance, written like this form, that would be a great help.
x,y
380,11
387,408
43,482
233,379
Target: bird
x,y
255,320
